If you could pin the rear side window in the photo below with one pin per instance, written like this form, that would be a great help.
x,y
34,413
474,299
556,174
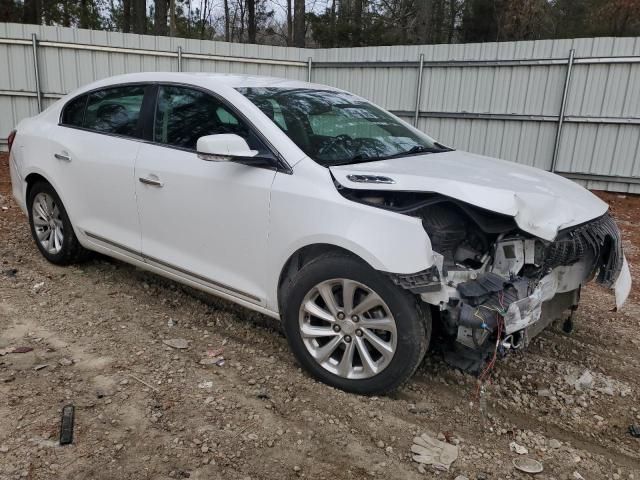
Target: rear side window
x,y
73,114
184,114
115,110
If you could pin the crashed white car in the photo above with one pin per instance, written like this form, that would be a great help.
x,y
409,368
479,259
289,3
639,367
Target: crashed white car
x,y
312,205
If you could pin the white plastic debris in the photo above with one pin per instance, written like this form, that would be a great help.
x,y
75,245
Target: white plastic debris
x,y
206,384
430,451
585,382
179,343
519,449
528,465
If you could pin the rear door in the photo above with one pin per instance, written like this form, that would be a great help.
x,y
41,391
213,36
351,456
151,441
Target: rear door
x,y
94,149
207,220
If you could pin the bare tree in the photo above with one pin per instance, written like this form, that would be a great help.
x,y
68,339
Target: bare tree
x,y
172,18
160,20
126,16
251,20
290,22
227,33
32,12
140,16
299,23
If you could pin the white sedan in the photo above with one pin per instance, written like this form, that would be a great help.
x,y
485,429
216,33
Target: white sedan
x,y
312,205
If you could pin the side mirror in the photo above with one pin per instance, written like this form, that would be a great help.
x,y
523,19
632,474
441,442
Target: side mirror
x,y
223,147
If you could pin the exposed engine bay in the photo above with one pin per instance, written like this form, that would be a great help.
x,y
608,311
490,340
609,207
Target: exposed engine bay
x,y
494,286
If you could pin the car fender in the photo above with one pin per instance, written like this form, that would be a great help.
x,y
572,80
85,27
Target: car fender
x,y
307,211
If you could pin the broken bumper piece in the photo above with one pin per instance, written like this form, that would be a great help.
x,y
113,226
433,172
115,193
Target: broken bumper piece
x,y
507,302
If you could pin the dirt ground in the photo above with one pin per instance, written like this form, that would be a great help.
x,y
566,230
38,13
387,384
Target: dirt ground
x,y
145,410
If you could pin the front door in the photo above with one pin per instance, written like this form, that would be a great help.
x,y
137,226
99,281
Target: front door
x,y
208,220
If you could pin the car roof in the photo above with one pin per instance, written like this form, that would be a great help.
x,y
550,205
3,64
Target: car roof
x,y
211,80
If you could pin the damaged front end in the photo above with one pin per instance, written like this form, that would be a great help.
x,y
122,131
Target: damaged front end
x,y
495,285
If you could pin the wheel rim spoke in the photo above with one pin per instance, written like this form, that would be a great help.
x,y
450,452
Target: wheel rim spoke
x,y
385,349
314,309
323,353
370,301
368,365
387,324
346,362
310,331
42,233
326,292
38,221
348,291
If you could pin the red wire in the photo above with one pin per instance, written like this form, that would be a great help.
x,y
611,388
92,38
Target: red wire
x,y
491,364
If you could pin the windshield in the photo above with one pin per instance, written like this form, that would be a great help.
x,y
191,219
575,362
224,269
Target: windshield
x,y
336,128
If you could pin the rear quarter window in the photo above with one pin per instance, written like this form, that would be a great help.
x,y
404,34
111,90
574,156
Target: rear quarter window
x,y
73,113
115,110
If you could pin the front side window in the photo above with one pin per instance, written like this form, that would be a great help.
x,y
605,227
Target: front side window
x,y
115,110
184,114
336,128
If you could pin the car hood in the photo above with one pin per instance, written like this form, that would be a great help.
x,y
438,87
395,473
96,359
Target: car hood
x,y
540,202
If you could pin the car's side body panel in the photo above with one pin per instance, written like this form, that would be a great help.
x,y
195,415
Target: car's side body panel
x,y
306,211
208,218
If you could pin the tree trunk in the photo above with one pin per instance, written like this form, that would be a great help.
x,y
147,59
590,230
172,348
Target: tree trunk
x,y
160,21
298,26
126,16
172,18
140,16
358,7
84,14
66,14
227,33
423,21
31,12
334,28
290,22
251,20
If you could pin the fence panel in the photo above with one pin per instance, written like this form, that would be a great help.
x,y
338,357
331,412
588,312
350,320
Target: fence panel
x,y
498,99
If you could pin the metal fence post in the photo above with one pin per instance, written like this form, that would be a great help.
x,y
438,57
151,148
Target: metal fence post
x,y
34,44
309,66
563,106
179,59
418,91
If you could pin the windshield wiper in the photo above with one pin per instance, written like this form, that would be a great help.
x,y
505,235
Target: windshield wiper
x,y
416,149
360,158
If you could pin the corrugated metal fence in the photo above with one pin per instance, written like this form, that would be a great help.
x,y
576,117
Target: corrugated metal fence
x,y
572,106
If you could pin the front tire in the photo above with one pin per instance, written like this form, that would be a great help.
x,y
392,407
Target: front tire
x,y
51,228
351,327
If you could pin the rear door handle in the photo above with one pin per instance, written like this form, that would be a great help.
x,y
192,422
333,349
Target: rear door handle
x,y
151,181
64,156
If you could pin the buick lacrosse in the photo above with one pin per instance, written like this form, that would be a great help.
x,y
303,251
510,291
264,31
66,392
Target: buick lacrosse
x,y
314,206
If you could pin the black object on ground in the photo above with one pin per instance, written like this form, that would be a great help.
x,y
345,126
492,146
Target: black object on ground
x,y
66,425
634,430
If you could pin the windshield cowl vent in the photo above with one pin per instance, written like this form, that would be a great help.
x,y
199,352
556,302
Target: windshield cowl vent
x,y
370,179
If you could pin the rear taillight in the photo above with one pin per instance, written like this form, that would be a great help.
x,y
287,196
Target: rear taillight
x,y
11,138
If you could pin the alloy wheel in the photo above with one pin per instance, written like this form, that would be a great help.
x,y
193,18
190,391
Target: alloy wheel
x,y
347,328
47,222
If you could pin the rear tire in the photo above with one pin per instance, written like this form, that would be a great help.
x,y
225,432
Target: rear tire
x,y
375,332
51,228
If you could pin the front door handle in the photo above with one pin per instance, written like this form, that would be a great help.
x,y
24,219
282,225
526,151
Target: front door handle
x,y
64,156
151,181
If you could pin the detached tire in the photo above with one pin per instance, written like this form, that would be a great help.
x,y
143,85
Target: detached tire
x,y
351,327
51,228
